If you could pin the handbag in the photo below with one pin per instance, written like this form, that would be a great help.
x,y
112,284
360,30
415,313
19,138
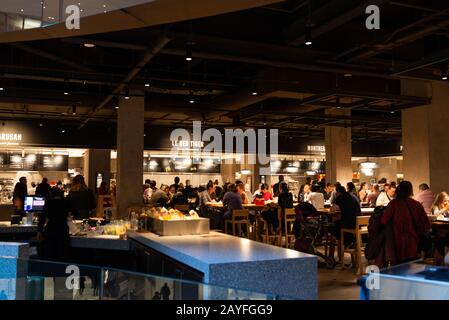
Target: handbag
x,y
425,241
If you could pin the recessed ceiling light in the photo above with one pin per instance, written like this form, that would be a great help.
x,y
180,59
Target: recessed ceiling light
x,y
66,93
41,124
147,84
21,10
117,107
89,45
391,111
1,88
348,74
254,93
63,131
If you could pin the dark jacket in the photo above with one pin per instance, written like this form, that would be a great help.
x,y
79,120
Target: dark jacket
x,y
43,189
349,208
231,201
178,198
53,219
285,200
81,203
20,191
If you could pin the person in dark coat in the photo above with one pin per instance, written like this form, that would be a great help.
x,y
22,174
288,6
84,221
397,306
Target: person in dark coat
x,y
53,231
43,188
81,199
165,292
19,194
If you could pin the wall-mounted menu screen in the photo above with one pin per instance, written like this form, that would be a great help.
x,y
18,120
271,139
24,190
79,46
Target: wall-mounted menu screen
x,y
296,166
180,165
33,162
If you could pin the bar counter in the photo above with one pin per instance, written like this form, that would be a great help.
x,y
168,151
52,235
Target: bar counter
x,y
240,263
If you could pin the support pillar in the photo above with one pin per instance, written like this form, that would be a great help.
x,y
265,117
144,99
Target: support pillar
x,y
130,147
424,136
338,151
97,161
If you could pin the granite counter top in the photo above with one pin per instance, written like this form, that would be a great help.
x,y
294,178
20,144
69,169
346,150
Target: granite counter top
x,y
104,242
240,263
6,227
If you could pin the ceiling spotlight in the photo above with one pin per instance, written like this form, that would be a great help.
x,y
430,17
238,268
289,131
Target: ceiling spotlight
x,y
308,40
63,131
348,75
254,93
41,124
147,84
189,52
127,93
392,112
66,93
191,97
444,73
117,107
1,88
89,45
74,109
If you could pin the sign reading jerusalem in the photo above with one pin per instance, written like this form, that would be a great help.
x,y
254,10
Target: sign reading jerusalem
x,y
10,139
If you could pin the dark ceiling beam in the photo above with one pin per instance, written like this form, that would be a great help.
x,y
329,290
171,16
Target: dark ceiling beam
x,y
324,27
412,6
50,56
389,43
146,57
437,57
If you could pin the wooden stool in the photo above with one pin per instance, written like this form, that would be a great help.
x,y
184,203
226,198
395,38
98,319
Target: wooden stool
x,y
275,239
289,219
103,202
182,207
361,227
239,217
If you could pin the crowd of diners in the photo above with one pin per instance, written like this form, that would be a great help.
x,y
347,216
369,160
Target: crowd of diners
x,y
406,211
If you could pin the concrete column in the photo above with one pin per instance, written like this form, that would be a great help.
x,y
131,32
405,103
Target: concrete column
x,y
130,147
97,161
338,151
424,136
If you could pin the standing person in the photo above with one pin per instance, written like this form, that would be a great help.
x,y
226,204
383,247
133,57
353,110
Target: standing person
x,y
426,197
176,184
386,196
316,198
53,231
81,199
165,292
19,194
103,190
409,220
43,188
276,186
82,285
363,192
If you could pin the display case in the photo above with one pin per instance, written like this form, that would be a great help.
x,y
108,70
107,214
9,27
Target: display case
x,y
410,281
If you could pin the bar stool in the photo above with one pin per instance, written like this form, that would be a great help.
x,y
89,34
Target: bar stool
x,y
361,228
239,217
289,219
275,239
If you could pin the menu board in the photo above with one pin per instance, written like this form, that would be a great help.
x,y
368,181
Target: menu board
x,y
33,162
181,165
296,166
54,163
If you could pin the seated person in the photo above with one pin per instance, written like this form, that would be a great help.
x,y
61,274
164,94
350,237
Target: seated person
x,y
159,198
316,198
441,205
232,200
179,197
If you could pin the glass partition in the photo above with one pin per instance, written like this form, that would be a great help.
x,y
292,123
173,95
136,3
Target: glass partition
x,y
44,280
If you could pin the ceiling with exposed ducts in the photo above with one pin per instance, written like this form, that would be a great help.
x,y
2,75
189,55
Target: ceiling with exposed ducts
x,y
248,68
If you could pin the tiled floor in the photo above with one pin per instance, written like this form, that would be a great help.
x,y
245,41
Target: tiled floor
x,y
338,284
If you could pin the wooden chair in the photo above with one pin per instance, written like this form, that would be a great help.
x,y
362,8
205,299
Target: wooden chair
x,y
360,229
275,239
289,219
103,202
239,217
182,207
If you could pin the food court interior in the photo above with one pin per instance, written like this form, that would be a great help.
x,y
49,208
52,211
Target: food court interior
x,y
313,102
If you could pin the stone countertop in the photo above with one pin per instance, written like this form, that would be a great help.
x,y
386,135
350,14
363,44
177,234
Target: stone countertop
x,y
103,242
6,227
240,263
